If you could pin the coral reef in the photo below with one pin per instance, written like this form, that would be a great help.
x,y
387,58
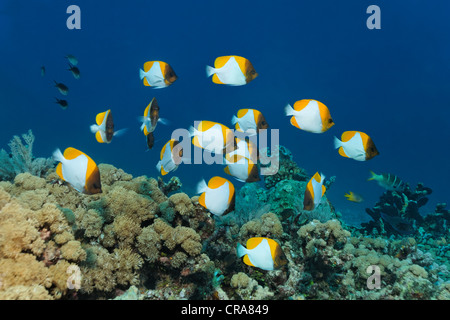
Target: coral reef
x,y
20,159
141,238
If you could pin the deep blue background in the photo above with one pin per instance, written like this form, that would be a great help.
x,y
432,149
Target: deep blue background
x,y
391,83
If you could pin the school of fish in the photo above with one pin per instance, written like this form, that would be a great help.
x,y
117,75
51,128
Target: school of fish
x,y
240,155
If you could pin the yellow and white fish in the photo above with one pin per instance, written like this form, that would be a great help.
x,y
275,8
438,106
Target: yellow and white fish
x,y
244,148
151,117
310,115
218,196
212,136
356,145
104,129
171,157
354,197
249,121
79,170
231,70
314,192
388,181
242,168
157,74
263,253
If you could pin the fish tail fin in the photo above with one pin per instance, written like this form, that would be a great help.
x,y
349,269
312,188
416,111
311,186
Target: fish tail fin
x,y
141,74
348,195
210,71
158,166
234,120
164,121
337,143
288,110
373,175
201,186
94,128
58,156
120,132
241,250
192,131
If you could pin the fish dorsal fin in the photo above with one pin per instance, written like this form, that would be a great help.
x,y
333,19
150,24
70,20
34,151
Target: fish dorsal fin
x,y
348,135
216,182
98,136
252,243
148,65
71,153
59,170
301,104
206,125
221,61
317,177
100,117
323,190
242,112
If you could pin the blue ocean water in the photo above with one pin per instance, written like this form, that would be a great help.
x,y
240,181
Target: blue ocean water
x,y
391,83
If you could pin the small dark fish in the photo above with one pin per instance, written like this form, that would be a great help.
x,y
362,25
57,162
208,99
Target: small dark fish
x,y
72,59
75,71
42,71
398,224
63,89
63,103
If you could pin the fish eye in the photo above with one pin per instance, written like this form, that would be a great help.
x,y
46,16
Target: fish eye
x,y
330,120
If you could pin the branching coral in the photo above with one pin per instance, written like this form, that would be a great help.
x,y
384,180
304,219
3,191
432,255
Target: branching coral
x,y
20,159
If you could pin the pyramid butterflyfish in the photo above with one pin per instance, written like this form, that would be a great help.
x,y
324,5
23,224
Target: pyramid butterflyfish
x,y
170,157
212,136
314,192
218,196
231,70
79,170
157,74
310,115
263,253
104,127
249,121
356,145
